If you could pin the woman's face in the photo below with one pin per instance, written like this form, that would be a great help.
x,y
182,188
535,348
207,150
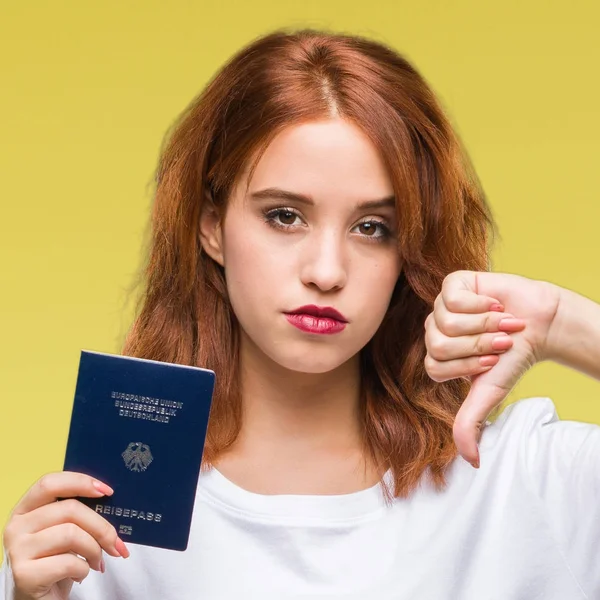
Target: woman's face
x,y
281,252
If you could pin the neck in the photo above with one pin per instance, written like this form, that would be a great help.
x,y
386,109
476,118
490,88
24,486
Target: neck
x,y
316,409
300,431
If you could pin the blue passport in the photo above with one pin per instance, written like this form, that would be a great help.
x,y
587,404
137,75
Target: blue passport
x,y
140,426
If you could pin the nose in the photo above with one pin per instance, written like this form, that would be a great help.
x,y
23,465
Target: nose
x,y
323,262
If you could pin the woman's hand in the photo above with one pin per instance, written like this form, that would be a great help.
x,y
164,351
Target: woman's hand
x,y
466,335
43,537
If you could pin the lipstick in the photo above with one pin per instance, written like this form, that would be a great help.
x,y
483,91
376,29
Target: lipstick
x,y
317,319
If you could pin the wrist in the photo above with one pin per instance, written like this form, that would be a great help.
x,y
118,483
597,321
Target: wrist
x,y
558,323
574,335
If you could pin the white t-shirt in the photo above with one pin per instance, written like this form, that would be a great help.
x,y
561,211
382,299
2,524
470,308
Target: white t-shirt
x,y
525,526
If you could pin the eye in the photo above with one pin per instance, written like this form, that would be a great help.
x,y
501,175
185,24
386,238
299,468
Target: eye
x,y
370,228
281,218
284,218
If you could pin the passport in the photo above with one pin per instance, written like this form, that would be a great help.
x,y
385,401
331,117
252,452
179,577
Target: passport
x,y
140,425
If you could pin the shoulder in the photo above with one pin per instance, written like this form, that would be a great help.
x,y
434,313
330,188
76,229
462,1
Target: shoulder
x,y
558,461
532,428
518,419
532,411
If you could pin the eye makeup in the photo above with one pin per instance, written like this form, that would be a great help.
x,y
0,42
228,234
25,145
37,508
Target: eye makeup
x,y
273,217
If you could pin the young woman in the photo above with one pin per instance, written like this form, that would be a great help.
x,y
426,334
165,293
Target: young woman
x,y
321,242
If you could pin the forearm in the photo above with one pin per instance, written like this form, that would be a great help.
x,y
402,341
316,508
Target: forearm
x,y
574,337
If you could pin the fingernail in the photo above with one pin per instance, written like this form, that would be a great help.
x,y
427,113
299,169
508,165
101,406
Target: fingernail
x,y
122,548
476,462
501,342
102,566
102,487
497,307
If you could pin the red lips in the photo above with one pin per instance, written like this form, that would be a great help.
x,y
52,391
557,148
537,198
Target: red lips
x,y
320,312
317,319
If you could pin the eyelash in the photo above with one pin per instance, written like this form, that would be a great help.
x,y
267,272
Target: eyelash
x,y
270,214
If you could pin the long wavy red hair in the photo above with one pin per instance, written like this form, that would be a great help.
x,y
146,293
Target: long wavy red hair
x,y
444,224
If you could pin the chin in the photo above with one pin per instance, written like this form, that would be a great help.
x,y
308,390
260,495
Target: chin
x,y
311,368
300,356
311,361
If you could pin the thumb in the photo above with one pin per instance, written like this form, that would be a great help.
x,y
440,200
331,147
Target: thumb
x,y
488,390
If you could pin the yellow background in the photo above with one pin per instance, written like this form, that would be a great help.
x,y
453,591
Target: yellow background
x,y
90,88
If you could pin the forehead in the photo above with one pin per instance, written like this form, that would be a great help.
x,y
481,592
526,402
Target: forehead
x,y
325,159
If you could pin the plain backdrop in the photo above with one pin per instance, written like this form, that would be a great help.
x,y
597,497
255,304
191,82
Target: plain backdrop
x,y
88,90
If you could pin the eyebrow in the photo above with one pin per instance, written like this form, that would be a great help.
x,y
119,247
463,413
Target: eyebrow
x,y
274,192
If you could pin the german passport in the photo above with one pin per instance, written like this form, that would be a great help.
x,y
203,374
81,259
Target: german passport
x,y
140,426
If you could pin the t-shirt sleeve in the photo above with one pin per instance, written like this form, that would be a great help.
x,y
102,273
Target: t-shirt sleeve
x,y
563,461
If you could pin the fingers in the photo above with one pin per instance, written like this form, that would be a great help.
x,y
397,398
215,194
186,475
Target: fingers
x,y
34,575
459,293
465,335
454,324
62,484
72,511
487,392
451,336
62,539
464,367
49,540
441,348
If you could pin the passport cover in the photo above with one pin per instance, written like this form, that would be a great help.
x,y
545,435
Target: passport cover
x,y
140,425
